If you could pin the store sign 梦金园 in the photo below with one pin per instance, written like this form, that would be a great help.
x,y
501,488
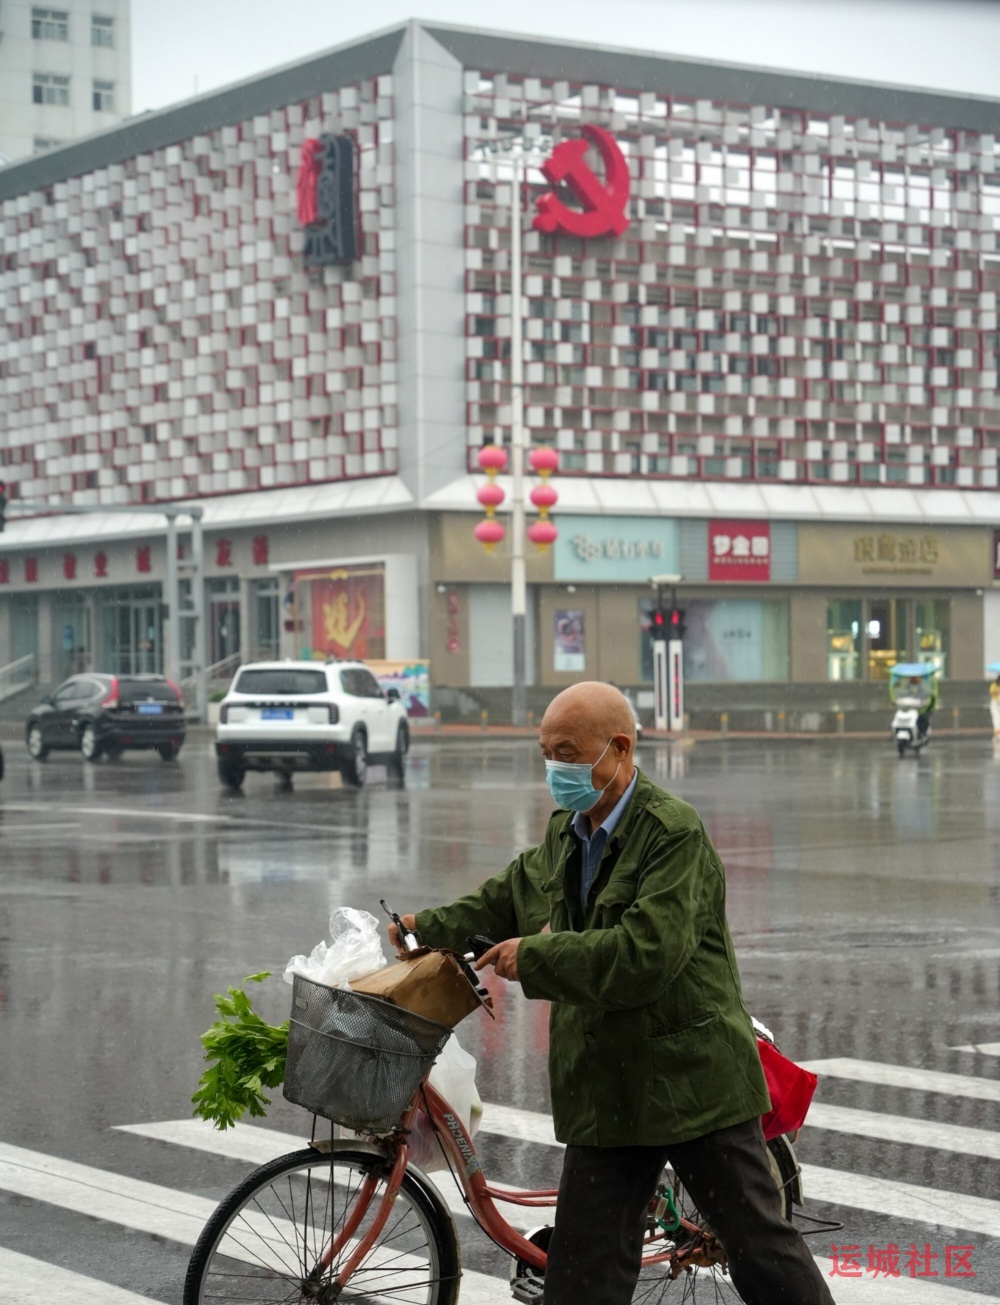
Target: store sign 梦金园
x,y
605,203
615,548
739,551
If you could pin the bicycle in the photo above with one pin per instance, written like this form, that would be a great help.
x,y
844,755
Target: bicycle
x,y
353,1219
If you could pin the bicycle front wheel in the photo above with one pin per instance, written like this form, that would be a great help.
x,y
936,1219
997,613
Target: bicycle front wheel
x,y
266,1242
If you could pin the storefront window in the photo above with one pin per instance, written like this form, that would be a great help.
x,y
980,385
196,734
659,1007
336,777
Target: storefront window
x,y
843,639
268,631
865,637
728,639
886,629
931,631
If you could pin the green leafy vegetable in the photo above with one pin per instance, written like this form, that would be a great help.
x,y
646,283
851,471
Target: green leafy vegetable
x,y
249,1055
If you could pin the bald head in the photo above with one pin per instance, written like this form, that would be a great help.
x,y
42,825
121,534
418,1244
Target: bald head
x,y
591,708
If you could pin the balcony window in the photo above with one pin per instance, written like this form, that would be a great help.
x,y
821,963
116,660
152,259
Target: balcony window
x,y
104,97
102,32
50,25
47,88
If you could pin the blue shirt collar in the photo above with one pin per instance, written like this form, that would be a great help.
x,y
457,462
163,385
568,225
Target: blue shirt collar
x,y
579,822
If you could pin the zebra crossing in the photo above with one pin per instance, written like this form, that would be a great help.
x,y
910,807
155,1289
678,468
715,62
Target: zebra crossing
x,y
173,1216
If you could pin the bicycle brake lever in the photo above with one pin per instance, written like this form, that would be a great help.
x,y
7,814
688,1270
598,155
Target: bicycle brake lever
x,y
479,945
485,1000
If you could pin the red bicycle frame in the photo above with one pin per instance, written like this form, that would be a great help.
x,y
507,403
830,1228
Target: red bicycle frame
x,y
482,1195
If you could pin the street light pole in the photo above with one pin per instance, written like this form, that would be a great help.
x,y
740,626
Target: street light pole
x,y
518,584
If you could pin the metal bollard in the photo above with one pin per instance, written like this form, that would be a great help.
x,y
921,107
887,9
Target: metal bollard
x,y
781,722
724,723
840,722
484,721
437,722
954,718
530,719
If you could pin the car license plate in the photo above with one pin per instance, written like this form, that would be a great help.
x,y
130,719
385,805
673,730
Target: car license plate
x,y
150,708
277,713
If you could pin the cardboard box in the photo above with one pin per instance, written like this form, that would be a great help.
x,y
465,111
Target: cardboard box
x,y
429,983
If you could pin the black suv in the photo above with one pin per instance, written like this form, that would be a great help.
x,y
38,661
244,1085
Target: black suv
x,y
105,714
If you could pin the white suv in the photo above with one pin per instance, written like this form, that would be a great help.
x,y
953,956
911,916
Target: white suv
x,y
289,716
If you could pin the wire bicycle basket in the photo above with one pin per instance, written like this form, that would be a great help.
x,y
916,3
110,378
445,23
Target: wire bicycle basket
x,y
355,1059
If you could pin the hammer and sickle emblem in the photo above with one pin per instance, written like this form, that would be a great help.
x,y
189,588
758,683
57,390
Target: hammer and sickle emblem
x,y
604,205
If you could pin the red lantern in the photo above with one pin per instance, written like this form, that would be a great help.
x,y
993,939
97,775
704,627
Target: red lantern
x,y
542,534
544,461
491,496
492,459
544,497
489,533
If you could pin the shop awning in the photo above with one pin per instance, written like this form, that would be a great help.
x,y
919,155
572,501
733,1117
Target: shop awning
x,y
597,496
264,507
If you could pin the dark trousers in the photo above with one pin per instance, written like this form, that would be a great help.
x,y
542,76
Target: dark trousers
x,y
596,1247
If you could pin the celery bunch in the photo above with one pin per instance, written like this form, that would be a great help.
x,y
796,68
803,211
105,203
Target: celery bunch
x,y
248,1054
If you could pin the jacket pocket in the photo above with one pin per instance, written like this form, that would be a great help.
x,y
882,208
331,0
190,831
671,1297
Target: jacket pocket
x,y
703,1021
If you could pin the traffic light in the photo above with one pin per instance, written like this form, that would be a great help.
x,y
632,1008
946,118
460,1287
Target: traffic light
x,y
658,623
3,505
675,623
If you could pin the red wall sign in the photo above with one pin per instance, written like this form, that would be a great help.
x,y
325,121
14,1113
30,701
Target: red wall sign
x,y
739,550
604,203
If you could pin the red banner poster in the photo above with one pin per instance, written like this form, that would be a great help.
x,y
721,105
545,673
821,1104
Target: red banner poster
x,y
739,550
347,613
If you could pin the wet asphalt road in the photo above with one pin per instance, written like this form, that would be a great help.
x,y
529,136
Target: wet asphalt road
x,y
864,898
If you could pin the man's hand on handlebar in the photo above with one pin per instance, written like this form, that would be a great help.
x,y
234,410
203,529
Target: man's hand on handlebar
x,y
409,923
503,958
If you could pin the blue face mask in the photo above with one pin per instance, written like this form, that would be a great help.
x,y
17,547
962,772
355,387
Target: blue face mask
x,y
571,783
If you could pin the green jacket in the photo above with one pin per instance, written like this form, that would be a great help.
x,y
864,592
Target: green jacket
x,y
649,1039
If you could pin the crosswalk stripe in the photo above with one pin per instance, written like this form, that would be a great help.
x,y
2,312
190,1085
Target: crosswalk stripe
x,y
145,1207
977,1048
901,1128
926,1205
27,1281
906,1076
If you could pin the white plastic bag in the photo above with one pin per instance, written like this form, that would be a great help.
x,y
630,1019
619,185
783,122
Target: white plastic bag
x,y
454,1076
355,948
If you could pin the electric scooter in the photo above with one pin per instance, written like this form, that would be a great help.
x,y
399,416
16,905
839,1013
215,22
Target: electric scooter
x,y
913,689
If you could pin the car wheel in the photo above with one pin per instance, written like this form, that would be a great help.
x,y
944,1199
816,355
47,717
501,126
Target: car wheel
x,y
35,742
90,745
169,751
397,757
356,768
231,774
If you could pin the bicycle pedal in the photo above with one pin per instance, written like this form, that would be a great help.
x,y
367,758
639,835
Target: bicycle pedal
x,y
528,1289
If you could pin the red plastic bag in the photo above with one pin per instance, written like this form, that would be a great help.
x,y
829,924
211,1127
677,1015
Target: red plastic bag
x,y
790,1088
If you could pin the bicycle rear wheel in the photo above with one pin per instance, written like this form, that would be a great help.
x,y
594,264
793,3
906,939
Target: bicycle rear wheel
x,y
705,1281
264,1243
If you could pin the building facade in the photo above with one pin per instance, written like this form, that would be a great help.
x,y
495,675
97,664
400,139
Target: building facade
x,y
772,373
65,71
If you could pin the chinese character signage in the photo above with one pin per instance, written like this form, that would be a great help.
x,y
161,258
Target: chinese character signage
x,y
904,555
617,549
739,550
325,194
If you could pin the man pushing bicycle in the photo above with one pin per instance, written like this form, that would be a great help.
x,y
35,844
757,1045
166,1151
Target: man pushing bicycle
x,y
652,1054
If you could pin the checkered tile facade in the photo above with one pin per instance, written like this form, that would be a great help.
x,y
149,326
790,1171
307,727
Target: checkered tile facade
x,y
799,297
160,338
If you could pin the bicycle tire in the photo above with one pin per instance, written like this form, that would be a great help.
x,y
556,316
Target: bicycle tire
x,y
709,1283
260,1245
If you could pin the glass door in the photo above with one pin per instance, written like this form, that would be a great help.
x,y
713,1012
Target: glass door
x,y
223,620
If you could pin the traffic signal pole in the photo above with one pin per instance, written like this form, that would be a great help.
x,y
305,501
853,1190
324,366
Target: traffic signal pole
x,y
667,631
